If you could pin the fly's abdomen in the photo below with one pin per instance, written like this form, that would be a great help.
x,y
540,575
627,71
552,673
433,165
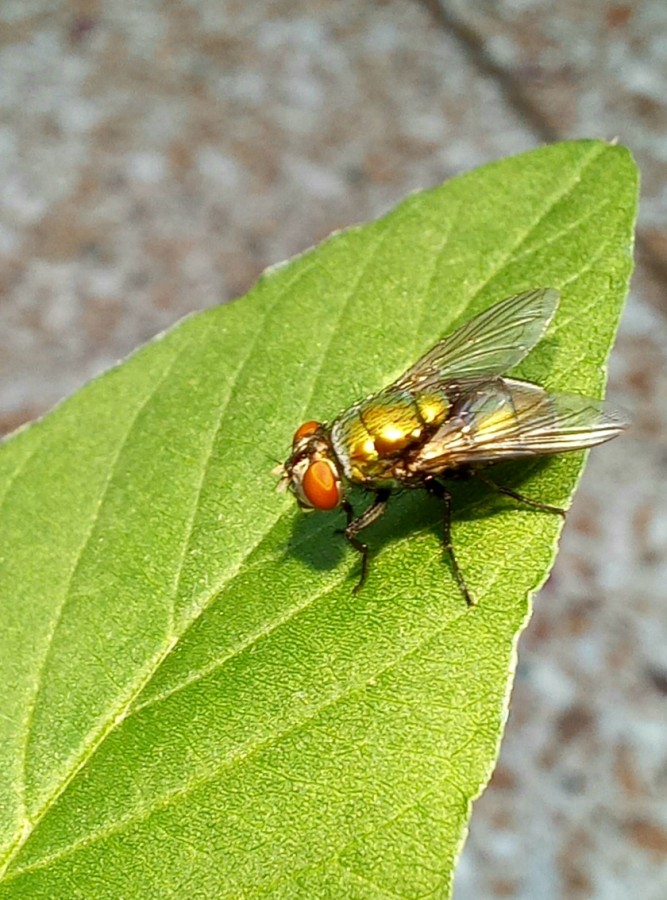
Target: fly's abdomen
x,y
369,438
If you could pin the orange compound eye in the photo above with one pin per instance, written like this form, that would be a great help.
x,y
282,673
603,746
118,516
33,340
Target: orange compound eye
x,y
305,430
320,486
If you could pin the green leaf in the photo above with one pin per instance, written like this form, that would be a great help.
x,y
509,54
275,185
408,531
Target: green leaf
x,y
194,703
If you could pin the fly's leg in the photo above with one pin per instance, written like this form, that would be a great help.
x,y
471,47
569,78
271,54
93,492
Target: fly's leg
x,y
438,490
535,504
355,525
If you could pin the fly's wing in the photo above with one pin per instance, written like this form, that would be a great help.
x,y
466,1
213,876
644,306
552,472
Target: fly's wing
x,y
502,419
490,344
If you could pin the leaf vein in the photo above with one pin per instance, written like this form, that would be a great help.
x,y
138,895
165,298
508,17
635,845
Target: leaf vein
x,y
41,668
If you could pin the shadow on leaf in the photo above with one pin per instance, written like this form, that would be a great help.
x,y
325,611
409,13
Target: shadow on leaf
x,y
317,541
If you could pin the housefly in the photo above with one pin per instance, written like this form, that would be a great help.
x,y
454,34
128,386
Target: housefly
x,y
453,413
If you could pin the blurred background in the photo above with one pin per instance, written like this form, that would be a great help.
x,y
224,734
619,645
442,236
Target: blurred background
x,y
156,156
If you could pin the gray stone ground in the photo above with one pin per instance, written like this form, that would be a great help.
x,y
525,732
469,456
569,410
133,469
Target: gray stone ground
x,y
155,157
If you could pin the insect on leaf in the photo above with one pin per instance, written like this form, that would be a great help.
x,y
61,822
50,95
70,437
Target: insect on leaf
x,y
193,701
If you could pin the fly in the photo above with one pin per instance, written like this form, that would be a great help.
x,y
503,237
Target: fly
x,y
452,414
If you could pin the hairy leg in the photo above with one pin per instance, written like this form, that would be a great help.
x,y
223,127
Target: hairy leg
x,y
357,524
535,504
438,490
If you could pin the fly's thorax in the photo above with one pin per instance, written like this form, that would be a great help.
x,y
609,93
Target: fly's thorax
x,y
434,407
370,437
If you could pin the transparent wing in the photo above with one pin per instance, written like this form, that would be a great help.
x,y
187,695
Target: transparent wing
x,y
506,419
489,344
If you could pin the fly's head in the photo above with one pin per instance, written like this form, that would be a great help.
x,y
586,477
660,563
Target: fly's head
x,y
311,472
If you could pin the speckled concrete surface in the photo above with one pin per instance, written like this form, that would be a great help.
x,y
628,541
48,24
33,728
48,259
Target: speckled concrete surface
x,y
154,157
